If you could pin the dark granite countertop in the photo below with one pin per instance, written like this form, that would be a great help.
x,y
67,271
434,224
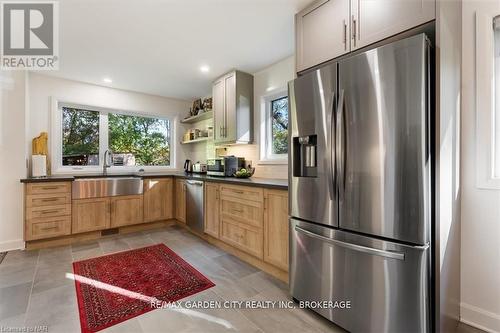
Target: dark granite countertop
x,y
280,184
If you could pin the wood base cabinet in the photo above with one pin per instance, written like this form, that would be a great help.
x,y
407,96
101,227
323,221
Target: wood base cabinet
x,y
47,210
276,228
212,207
126,210
158,199
90,215
180,200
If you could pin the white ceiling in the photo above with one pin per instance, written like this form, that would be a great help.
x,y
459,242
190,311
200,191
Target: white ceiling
x,y
158,46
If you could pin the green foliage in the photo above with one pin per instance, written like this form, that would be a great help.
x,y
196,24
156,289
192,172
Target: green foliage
x,y
279,112
80,132
145,138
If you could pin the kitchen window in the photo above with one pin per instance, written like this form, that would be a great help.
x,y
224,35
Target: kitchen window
x,y
275,128
496,94
82,134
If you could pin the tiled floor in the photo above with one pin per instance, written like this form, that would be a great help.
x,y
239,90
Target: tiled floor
x,y
34,290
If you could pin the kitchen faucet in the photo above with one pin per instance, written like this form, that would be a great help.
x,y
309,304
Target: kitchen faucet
x,y
105,165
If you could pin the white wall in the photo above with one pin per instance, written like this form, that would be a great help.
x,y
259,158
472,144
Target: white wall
x,y
480,273
272,78
43,88
12,153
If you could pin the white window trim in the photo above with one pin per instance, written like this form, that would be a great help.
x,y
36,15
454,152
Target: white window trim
x,y
266,155
55,138
485,102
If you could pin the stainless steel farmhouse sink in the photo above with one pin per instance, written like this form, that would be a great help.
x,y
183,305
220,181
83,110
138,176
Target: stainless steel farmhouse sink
x,y
83,188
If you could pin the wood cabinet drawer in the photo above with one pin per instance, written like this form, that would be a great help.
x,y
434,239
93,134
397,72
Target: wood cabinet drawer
x,y
48,211
242,192
55,199
48,227
249,213
48,188
245,239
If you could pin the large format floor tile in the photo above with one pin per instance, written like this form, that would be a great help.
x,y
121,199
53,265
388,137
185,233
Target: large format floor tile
x,y
36,289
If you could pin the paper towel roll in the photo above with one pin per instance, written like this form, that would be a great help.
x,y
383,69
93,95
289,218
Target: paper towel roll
x,y
39,166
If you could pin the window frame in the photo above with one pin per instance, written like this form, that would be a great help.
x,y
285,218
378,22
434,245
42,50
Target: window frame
x,y
485,102
55,137
266,132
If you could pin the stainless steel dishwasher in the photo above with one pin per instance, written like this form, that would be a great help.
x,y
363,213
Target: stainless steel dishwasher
x,y
194,204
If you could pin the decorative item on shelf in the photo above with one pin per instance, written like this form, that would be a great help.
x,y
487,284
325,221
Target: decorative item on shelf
x,y
197,106
207,104
210,131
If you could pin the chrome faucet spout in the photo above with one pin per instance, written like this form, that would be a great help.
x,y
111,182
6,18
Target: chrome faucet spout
x,y
108,157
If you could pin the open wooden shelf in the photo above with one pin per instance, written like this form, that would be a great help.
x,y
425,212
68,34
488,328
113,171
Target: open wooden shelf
x,y
200,117
194,141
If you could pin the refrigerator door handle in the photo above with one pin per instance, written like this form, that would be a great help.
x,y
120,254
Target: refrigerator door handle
x,y
332,166
340,149
354,247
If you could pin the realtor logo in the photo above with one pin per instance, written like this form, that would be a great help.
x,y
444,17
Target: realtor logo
x,y
29,32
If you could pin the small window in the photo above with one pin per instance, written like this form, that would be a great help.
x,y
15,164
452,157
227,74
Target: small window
x,y
139,141
274,128
279,126
80,141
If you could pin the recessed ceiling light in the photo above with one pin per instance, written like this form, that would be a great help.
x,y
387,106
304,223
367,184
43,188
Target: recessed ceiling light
x,y
107,80
205,69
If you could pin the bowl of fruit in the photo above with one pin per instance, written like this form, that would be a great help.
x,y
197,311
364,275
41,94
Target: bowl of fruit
x,y
244,172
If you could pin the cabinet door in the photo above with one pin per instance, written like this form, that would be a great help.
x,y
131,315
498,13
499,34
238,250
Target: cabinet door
x,y
90,215
212,207
126,210
180,200
230,103
322,32
373,21
218,105
158,199
276,228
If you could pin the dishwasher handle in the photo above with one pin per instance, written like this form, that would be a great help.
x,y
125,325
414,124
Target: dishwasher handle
x,y
194,182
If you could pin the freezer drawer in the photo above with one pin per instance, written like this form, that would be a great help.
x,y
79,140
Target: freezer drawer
x,y
386,283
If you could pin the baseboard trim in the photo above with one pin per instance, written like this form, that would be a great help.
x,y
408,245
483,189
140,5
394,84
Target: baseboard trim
x,y
479,318
17,244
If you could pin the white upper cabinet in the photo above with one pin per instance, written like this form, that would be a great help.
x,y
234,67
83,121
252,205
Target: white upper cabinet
x,y
374,20
322,32
328,29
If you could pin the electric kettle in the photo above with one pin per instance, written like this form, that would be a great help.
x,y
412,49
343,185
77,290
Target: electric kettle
x,y
188,166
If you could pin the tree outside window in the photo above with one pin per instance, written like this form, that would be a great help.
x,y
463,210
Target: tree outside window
x,y
134,140
279,126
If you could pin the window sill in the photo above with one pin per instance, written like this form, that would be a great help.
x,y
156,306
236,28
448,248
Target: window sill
x,y
273,162
111,171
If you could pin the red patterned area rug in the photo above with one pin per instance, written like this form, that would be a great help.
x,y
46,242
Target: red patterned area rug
x,y
120,286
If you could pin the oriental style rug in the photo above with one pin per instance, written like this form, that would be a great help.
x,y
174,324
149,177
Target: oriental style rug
x,y
114,288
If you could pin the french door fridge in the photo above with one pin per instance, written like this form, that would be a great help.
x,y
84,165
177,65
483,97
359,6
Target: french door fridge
x,y
360,188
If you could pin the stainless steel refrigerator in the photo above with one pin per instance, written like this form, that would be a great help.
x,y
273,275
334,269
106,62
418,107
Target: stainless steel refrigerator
x,y
360,188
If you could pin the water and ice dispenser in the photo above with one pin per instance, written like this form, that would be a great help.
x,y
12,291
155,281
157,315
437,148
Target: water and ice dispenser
x,y
305,156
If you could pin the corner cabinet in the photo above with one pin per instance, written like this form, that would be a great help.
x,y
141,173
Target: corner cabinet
x,y
330,28
158,197
233,108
